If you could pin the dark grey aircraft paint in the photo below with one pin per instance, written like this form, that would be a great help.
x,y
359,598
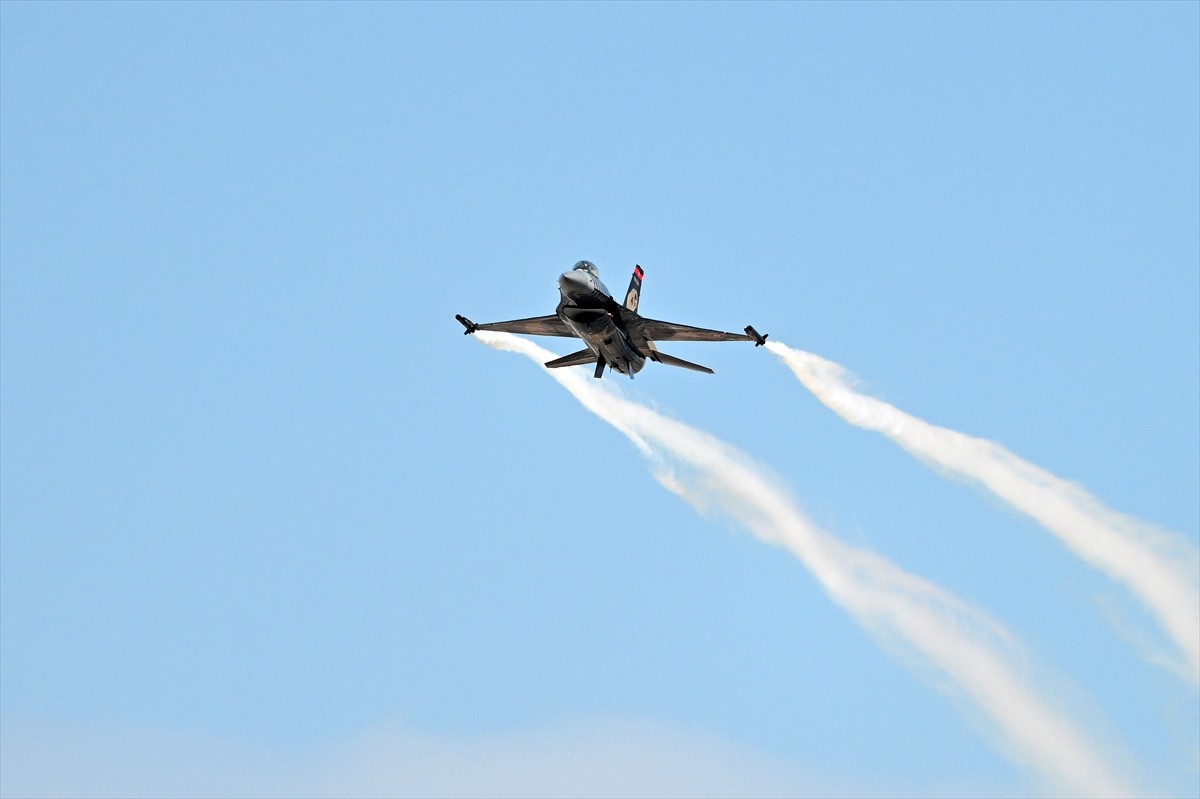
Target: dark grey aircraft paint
x,y
616,335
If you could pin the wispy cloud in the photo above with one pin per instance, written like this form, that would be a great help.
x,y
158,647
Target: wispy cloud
x,y
612,758
1161,568
961,642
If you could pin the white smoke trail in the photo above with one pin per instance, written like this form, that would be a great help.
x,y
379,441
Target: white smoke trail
x,y
963,643
1160,568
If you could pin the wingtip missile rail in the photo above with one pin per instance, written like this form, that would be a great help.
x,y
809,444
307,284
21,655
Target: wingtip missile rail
x,y
759,338
470,326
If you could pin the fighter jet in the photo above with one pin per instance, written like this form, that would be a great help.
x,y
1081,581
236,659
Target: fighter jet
x,y
616,335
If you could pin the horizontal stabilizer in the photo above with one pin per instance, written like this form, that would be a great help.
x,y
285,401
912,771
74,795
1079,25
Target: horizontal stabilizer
x,y
671,360
574,359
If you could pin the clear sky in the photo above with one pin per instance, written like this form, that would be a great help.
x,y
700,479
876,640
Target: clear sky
x,y
270,523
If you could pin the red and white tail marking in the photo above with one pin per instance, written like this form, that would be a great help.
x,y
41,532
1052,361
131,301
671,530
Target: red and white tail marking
x,y
635,289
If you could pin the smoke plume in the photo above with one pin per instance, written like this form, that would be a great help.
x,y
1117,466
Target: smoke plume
x,y
906,612
1161,568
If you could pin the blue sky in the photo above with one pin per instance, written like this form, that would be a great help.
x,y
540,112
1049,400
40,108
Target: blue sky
x,y
260,496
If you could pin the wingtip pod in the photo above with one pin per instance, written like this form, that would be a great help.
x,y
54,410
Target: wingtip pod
x,y
759,338
470,326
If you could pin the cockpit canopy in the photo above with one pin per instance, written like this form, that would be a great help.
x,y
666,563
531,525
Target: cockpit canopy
x,y
589,267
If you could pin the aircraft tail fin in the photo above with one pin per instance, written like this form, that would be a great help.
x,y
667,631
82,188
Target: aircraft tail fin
x,y
574,359
670,360
635,289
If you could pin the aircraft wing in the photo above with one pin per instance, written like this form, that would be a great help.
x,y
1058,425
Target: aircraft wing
x,y
654,330
533,326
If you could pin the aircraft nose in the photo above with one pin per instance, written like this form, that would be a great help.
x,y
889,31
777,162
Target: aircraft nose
x,y
573,283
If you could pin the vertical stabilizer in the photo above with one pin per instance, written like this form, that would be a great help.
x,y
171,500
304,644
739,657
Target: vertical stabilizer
x,y
635,289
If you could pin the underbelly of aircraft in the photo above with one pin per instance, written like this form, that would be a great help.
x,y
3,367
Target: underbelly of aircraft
x,y
600,333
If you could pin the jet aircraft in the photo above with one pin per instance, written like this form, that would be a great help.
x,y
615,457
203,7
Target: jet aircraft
x,y
615,334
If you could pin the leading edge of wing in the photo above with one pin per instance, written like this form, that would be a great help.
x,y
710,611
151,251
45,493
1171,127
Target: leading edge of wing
x,y
654,330
533,326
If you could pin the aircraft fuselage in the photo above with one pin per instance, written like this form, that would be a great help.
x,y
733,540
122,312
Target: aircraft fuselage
x,y
586,307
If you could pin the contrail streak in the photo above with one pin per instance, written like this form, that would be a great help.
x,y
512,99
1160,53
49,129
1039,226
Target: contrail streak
x,y
1161,568
967,646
